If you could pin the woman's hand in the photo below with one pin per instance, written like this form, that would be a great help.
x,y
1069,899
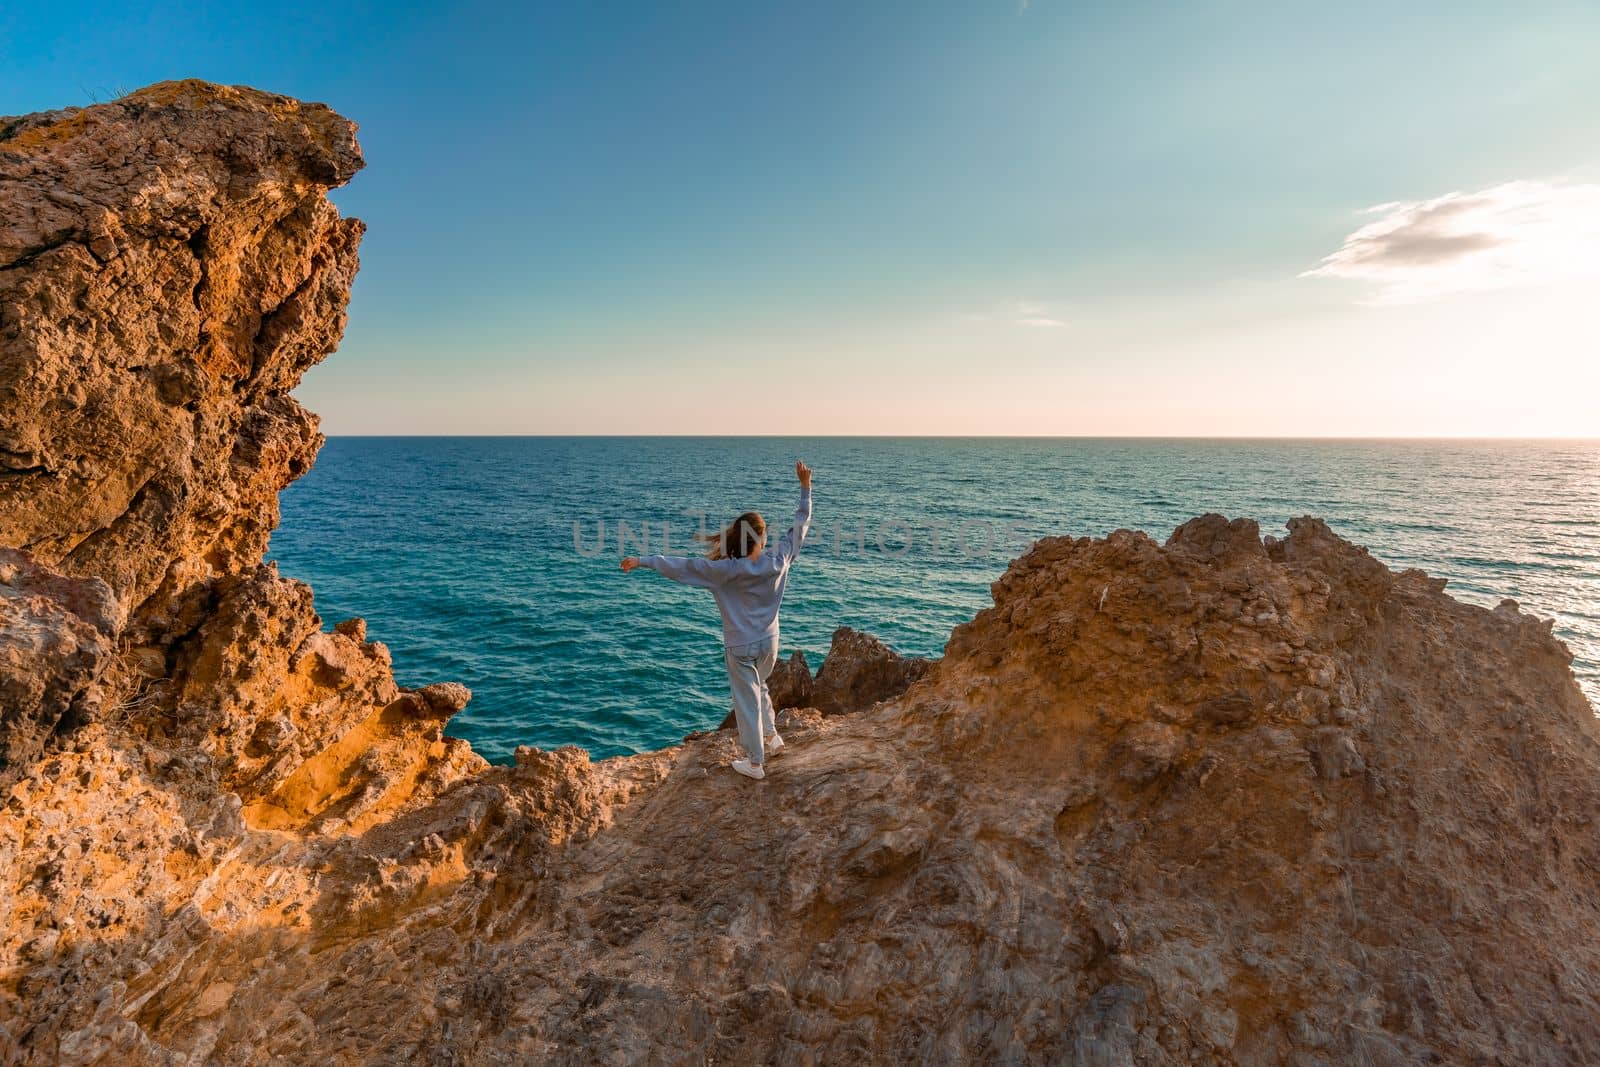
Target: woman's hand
x,y
802,472
628,563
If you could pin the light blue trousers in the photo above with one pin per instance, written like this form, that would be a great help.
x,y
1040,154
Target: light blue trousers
x,y
748,669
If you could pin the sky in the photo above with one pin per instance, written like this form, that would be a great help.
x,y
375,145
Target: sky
x,y
1027,217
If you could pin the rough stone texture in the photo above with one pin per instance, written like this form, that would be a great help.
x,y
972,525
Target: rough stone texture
x,y
1219,800
56,637
790,685
858,671
169,267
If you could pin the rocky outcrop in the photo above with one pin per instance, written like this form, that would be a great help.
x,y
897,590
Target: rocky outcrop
x,y
169,267
789,685
858,672
1223,799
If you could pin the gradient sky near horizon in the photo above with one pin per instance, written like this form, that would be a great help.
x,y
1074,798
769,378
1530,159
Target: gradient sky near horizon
x,y
963,217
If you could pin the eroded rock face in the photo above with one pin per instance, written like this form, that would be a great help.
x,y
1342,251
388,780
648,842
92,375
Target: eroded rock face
x,y
169,267
790,685
1220,800
858,672
56,649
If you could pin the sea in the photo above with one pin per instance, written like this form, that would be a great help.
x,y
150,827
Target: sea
x,y
493,561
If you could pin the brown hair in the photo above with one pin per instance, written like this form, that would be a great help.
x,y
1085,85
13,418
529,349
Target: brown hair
x,y
742,533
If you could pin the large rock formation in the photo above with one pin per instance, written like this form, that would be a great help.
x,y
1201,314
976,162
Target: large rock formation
x,y
1223,799
169,267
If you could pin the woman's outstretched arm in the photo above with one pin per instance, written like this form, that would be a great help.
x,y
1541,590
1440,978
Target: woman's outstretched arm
x,y
789,544
690,570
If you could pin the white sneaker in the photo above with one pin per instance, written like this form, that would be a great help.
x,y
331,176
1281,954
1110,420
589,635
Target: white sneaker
x,y
748,769
774,743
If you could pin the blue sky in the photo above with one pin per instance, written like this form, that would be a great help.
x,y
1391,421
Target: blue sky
x,y
929,217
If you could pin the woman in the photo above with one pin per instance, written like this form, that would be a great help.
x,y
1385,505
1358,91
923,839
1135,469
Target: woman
x,y
748,583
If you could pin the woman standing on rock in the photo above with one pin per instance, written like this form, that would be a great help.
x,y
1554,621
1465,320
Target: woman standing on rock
x,y
747,582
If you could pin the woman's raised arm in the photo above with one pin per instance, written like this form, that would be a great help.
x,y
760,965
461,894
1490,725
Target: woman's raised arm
x,y
789,544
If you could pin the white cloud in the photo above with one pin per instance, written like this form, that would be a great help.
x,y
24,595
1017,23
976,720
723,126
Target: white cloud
x,y
1033,313
1020,313
1518,234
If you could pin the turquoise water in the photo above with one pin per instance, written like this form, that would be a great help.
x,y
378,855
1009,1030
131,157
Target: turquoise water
x,y
460,552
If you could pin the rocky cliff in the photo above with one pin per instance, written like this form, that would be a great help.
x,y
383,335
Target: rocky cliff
x,y
1223,799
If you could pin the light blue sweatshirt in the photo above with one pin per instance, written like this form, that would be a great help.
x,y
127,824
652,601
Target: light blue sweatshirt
x,y
748,591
